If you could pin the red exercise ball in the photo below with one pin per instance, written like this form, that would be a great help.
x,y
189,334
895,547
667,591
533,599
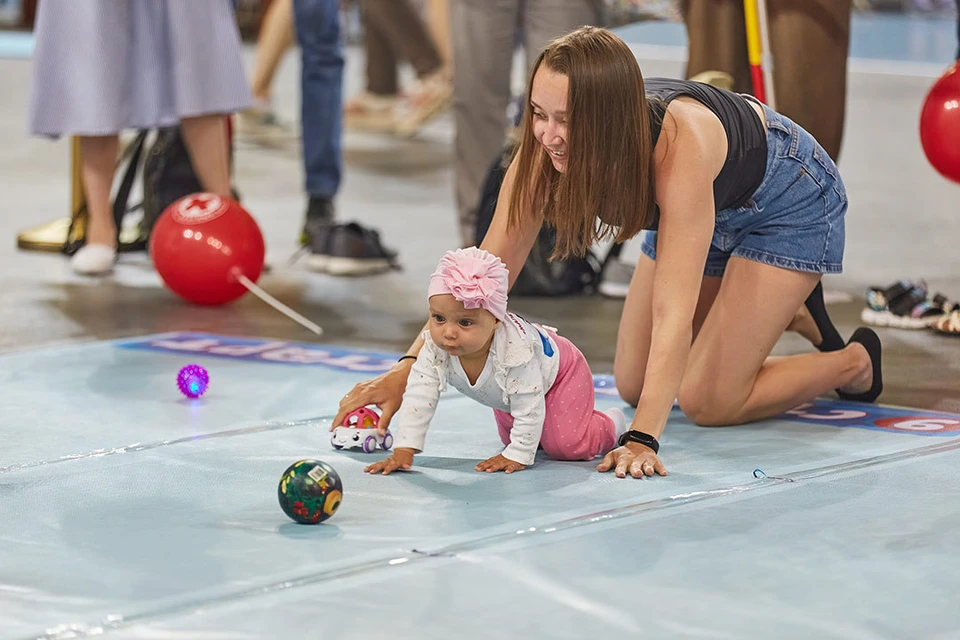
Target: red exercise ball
x,y
201,243
940,124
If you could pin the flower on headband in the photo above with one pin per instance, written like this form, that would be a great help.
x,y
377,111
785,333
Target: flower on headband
x,y
475,277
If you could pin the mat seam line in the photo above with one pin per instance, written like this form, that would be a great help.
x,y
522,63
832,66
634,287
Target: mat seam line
x,y
136,447
119,622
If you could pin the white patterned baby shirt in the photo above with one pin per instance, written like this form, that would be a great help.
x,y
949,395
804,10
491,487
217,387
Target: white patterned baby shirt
x,y
521,367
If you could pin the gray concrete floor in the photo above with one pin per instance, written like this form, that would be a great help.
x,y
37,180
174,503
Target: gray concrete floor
x,y
904,222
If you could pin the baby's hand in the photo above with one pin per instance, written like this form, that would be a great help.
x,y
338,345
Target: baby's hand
x,y
499,463
400,459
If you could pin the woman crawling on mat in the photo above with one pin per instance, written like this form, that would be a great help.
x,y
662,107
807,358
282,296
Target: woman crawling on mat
x,y
741,212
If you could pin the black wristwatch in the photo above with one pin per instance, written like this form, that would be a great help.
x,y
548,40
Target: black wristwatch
x,y
645,439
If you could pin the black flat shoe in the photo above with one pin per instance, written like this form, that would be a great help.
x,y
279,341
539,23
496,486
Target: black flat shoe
x,y
871,341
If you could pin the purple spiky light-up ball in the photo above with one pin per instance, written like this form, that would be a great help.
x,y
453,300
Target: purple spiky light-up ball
x,y
193,380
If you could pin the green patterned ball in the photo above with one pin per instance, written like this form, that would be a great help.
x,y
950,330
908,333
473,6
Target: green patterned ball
x,y
310,491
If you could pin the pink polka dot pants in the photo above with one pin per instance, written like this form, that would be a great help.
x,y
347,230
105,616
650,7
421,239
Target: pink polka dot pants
x,y
573,429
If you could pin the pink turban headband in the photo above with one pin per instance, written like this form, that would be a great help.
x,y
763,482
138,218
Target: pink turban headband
x,y
474,277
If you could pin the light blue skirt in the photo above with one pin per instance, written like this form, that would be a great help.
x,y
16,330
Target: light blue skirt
x,y
102,66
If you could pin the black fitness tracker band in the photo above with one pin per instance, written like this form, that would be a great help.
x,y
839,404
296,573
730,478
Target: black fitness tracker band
x,y
638,436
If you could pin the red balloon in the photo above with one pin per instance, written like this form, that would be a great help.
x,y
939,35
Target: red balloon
x,y
940,124
201,243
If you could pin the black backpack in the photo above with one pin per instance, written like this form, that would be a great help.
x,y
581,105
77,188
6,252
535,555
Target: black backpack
x,y
541,276
168,175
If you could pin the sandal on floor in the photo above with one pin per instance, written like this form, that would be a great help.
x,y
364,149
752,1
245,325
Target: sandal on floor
x,y
369,112
904,305
871,342
431,96
948,323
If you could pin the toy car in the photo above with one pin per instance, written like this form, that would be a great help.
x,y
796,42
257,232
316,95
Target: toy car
x,y
359,429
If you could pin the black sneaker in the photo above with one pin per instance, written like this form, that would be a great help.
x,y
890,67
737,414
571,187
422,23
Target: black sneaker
x,y
319,214
349,250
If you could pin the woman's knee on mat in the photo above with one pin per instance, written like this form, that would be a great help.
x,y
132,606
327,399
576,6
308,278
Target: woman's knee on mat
x,y
629,385
707,405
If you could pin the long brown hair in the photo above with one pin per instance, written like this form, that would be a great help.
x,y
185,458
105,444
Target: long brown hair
x,y
608,186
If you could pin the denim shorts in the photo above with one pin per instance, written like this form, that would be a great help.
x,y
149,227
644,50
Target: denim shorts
x,y
794,219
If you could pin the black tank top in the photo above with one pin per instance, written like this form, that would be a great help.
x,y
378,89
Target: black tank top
x,y
746,161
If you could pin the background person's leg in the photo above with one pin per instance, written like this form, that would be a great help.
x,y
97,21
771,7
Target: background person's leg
x,y
483,34
206,140
810,42
717,40
317,24
275,38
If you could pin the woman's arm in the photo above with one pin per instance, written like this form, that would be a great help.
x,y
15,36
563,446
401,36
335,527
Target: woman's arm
x,y
510,245
685,195
688,159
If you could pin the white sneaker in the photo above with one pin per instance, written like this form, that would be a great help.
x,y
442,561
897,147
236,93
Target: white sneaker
x,y
615,281
619,421
94,260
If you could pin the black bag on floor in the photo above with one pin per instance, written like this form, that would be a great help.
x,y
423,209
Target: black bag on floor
x,y
168,175
540,275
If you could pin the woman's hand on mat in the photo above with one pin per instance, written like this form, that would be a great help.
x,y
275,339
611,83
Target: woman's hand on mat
x,y
401,458
385,391
499,463
634,458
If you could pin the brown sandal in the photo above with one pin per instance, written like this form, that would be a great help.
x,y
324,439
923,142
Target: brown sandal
x,y
430,97
370,112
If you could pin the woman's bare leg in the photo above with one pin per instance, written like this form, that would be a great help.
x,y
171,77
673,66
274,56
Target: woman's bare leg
x,y
438,22
803,324
275,38
206,140
730,378
98,157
